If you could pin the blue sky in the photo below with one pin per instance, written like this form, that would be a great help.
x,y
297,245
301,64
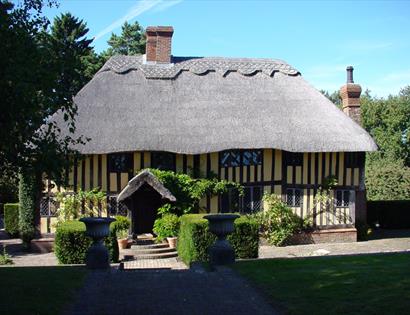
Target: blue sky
x,y
319,38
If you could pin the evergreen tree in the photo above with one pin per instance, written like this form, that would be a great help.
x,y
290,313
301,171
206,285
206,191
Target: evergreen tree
x,y
130,42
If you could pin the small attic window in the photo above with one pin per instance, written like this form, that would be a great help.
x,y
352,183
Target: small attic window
x,y
163,161
120,162
294,158
352,159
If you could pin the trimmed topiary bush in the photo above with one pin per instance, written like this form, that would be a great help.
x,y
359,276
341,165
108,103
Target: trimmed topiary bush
x,y
29,194
71,243
11,219
194,238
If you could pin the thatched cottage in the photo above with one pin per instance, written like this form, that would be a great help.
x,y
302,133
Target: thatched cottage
x,y
254,121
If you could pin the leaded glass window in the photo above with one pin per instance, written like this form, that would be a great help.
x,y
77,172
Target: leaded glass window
x,y
233,158
294,158
120,162
163,160
252,157
342,198
230,158
294,197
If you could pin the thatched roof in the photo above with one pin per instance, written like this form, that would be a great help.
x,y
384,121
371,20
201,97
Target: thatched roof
x,y
145,177
200,105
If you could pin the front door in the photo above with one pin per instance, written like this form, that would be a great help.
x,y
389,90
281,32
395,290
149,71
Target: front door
x,y
145,203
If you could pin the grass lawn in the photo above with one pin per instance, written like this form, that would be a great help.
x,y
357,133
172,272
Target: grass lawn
x,y
368,284
38,290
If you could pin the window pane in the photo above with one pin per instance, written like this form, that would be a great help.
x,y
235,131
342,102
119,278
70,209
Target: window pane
x,y
289,197
230,158
298,198
339,198
295,159
163,160
346,197
121,162
257,198
252,157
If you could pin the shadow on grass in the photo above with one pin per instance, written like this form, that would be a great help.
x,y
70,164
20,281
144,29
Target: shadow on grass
x,y
38,290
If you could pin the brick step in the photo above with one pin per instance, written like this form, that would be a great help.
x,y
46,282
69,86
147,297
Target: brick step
x,y
147,246
148,241
140,251
150,256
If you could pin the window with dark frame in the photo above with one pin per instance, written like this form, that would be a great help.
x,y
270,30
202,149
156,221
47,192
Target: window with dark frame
x,y
252,199
163,160
294,197
234,158
342,198
352,159
294,158
250,202
120,162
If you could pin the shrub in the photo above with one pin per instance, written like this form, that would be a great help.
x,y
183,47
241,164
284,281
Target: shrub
x,y
278,223
166,226
29,194
5,258
121,224
11,219
194,238
71,243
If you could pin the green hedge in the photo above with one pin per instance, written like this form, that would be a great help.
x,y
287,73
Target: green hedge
x,y
194,238
11,219
71,243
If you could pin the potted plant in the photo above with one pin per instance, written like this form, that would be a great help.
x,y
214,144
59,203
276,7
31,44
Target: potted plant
x,y
122,238
167,227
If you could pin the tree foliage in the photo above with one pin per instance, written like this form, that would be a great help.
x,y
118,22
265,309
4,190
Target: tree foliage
x,y
334,97
41,72
130,42
388,122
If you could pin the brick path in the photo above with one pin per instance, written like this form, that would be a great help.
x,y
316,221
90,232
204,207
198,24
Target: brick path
x,y
167,292
169,263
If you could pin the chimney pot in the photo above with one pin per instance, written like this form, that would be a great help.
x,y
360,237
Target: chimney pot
x,y
350,95
349,71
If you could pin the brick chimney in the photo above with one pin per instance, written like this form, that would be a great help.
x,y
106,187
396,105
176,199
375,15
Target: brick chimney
x,y
350,95
159,39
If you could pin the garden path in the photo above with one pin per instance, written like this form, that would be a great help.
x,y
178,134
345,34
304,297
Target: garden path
x,y
168,292
382,241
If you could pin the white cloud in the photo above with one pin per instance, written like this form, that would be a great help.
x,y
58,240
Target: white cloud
x,y
364,46
138,9
165,5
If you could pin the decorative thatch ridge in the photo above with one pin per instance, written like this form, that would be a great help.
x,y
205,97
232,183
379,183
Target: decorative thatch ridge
x,y
197,65
145,177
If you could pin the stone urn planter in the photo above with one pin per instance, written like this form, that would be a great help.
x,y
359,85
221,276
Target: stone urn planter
x,y
221,252
97,228
172,242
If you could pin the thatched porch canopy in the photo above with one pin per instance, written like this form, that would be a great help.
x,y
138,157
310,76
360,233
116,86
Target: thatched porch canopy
x,y
145,177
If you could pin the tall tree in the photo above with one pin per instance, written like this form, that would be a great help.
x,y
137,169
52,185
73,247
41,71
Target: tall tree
x,y
388,169
130,42
333,97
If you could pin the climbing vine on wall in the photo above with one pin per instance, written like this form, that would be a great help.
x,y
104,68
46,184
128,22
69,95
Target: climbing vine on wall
x,y
189,191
